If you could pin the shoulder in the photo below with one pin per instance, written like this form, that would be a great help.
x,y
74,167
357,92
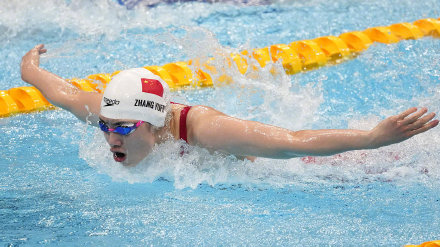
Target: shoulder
x,y
199,119
199,113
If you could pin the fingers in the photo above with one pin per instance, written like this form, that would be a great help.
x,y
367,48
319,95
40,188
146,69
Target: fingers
x,y
407,112
414,117
422,121
425,127
40,48
416,122
32,57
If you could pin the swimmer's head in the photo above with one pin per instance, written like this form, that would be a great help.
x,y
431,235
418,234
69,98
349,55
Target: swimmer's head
x,y
136,94
134,109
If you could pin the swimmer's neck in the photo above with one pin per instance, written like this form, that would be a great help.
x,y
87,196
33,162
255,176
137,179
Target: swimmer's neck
x,y
171,128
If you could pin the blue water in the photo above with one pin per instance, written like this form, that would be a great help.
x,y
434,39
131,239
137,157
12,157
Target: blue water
x,y
60,187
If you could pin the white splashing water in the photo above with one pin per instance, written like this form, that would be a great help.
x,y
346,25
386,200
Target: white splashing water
x,y
198,166
92,17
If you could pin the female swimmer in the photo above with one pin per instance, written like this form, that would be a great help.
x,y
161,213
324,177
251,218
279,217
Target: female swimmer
x,y
135,113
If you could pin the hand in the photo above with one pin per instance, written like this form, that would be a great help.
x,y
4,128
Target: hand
x,y
32,57
31,61
403,126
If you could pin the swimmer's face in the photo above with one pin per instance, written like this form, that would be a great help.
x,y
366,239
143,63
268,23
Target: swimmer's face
x,y
132,148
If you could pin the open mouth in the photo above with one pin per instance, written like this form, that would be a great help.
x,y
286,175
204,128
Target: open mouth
x,y
119,157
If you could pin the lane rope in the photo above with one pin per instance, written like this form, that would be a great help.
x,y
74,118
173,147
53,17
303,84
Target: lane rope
x,y
295,57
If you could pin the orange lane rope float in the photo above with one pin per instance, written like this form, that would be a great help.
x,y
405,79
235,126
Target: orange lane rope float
x,y
435,243
294,57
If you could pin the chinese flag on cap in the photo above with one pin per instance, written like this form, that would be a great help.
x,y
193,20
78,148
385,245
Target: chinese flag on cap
x,y
152,86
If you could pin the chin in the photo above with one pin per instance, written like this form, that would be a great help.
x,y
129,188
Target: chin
x,y
129,163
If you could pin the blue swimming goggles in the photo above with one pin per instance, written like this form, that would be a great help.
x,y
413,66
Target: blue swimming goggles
x,y
122,130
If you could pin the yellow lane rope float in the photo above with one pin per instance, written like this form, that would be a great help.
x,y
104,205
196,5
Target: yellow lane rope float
x,y
435,243
294,57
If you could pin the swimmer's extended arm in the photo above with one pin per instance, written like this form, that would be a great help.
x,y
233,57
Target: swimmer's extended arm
x,y
217,131
58,91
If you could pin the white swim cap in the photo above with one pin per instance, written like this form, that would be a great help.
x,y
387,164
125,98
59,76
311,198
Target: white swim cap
x,y
136,94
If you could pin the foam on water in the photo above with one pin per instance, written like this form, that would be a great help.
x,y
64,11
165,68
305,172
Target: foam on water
x,y
393,164
89,18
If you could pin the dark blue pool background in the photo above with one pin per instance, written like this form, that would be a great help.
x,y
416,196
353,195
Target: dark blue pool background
x,y
49,196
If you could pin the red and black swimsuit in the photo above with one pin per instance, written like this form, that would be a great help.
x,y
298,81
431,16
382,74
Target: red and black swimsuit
x,y
182,124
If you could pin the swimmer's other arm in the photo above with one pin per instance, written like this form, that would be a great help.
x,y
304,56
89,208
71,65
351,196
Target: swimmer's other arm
x,y
58,91
217,131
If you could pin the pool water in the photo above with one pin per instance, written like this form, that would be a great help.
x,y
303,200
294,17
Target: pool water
x,y
59,185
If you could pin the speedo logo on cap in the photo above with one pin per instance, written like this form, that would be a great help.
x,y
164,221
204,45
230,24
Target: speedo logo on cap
x,y
110,102
152,86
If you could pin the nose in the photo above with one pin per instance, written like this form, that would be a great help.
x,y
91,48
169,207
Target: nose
x,y
114,140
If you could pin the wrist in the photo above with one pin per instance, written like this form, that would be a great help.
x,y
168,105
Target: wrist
x,y
371,140
27,71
